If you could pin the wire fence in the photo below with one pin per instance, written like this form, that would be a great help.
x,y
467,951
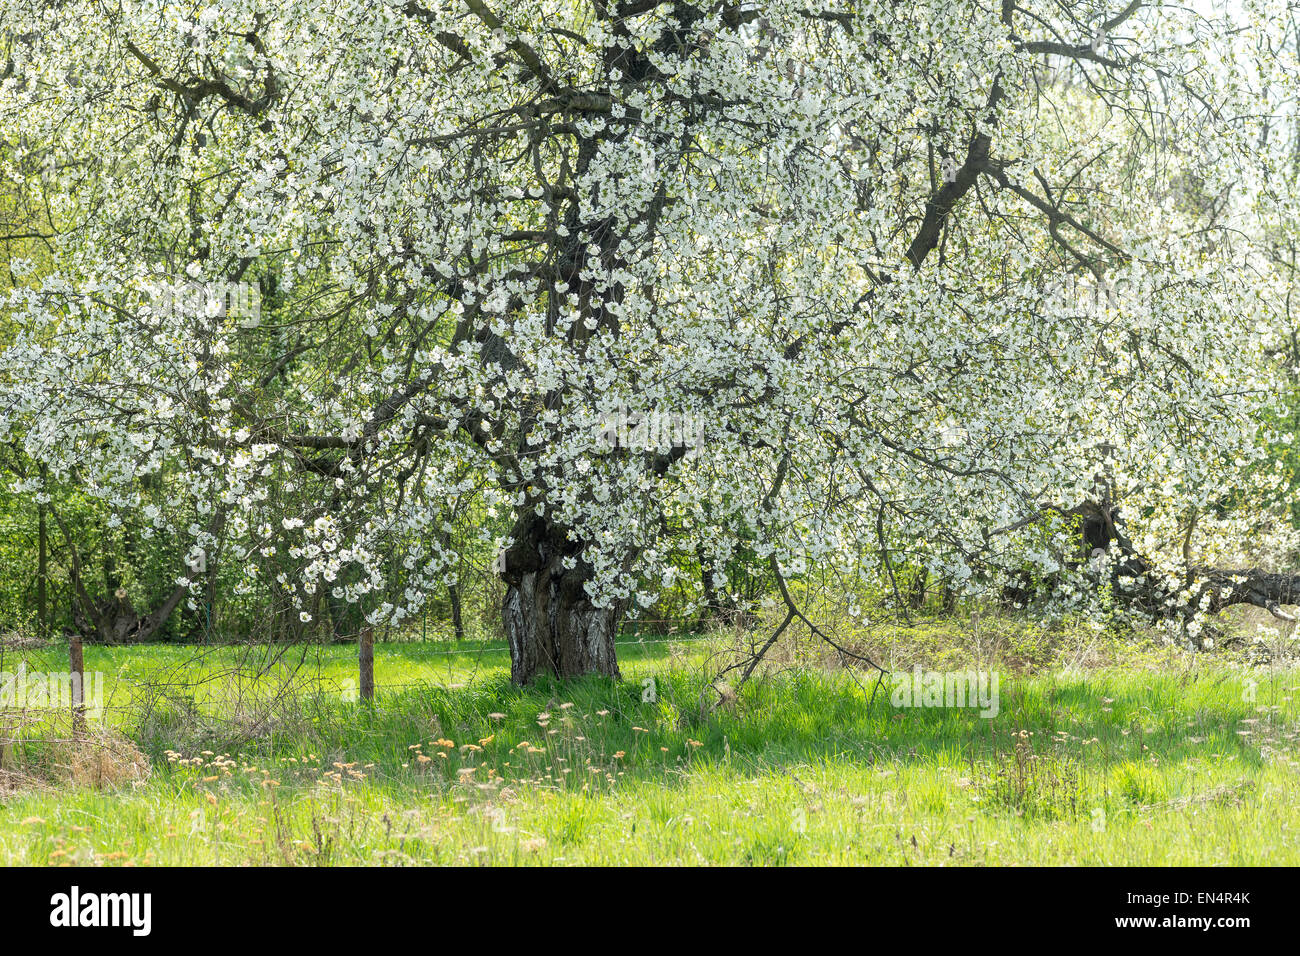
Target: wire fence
x,y
49,694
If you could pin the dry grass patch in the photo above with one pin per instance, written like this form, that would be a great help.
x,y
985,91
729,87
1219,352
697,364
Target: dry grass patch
x,y
102,759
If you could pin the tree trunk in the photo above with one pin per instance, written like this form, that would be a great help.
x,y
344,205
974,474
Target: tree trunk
x,y
113,620
457,615
453,597
917,587
719,608
550,622
42,573
366,663
1151,596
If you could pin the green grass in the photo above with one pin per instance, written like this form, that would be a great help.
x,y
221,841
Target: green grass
x,y
1157,764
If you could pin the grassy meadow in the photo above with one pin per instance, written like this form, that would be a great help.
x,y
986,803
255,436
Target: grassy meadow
x,y
244,756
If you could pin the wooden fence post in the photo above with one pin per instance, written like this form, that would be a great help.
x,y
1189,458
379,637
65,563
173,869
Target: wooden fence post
x,y
366,655
78,680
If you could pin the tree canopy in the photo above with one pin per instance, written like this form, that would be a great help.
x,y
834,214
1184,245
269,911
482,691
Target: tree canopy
x,y
815,284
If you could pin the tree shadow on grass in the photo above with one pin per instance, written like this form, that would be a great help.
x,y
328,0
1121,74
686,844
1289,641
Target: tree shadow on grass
x,y
596,732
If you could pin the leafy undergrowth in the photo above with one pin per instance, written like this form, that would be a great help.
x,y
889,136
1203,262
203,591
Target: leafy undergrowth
x,y
1188,764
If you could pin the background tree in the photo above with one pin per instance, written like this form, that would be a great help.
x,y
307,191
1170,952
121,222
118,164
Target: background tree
x,y
774,283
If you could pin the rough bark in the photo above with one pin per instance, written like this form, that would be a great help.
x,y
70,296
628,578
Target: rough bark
x,y
550,623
